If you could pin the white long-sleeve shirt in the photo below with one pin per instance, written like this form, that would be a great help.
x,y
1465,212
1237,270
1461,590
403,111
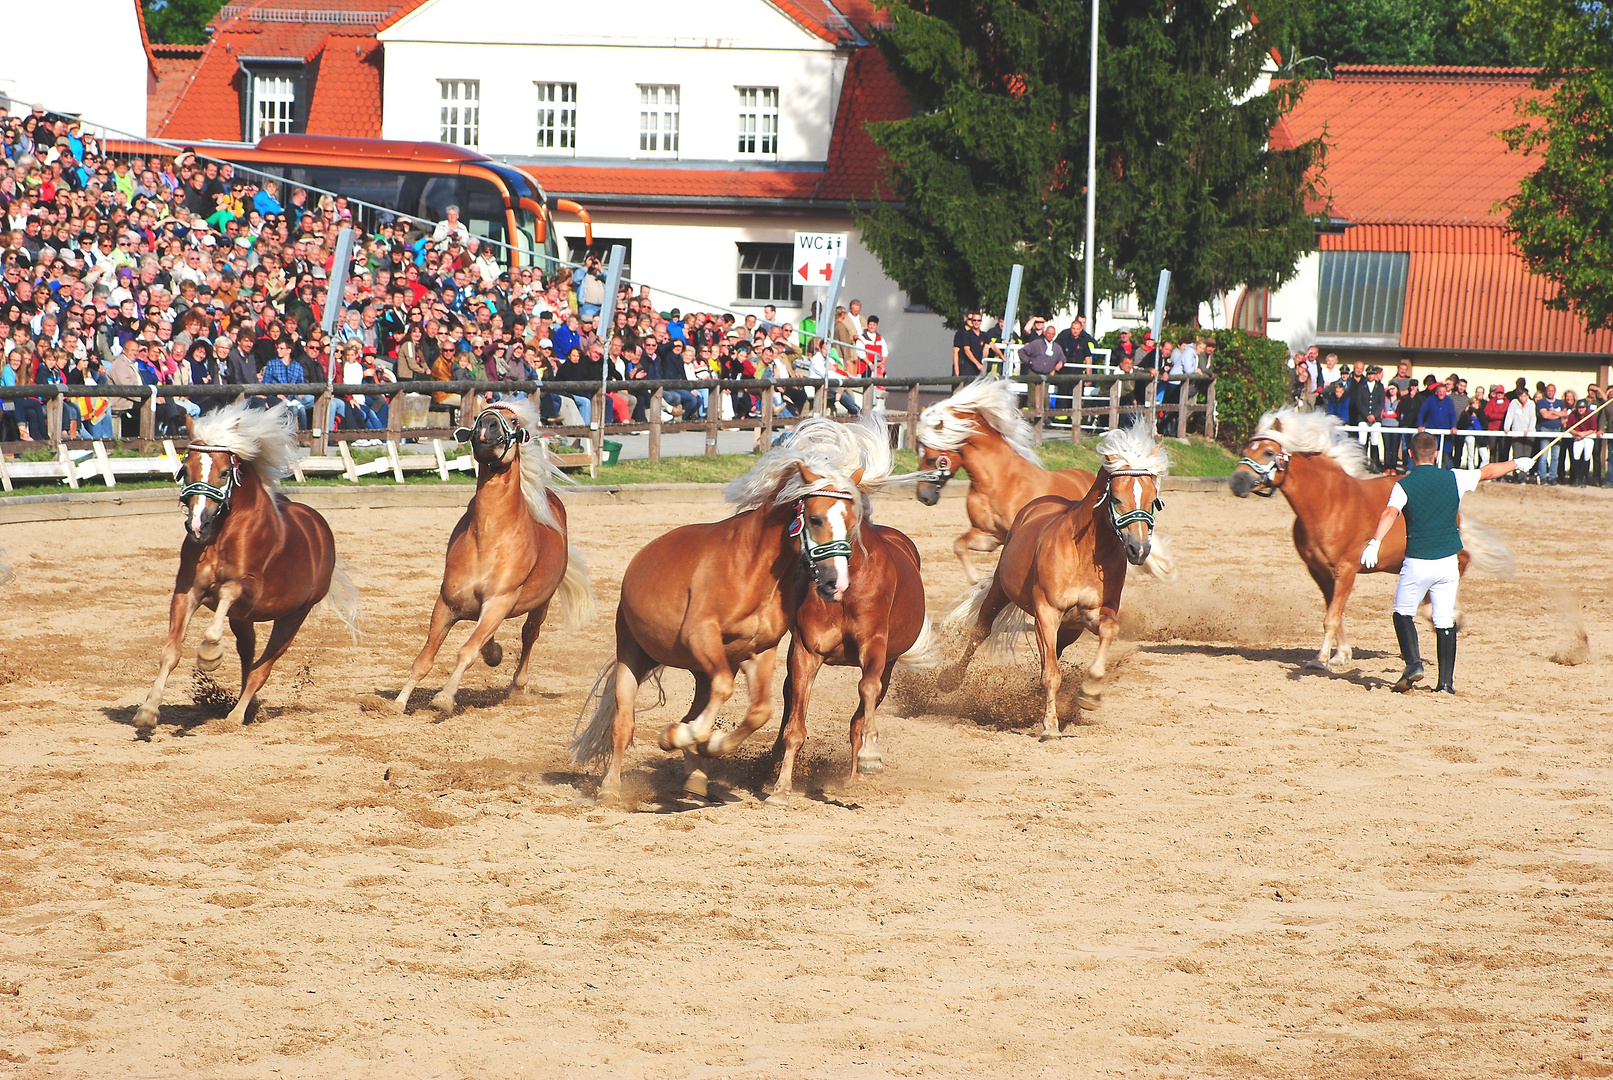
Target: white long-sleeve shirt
x,y
1520,418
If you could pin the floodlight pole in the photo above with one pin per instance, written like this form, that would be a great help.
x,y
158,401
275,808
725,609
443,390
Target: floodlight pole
x,y
1091,251
607,326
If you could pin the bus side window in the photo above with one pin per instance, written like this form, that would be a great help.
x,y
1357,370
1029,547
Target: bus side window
x,y
439,193
485,214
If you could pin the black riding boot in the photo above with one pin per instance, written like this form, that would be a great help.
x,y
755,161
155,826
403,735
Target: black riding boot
x,y
1446,644
1406,632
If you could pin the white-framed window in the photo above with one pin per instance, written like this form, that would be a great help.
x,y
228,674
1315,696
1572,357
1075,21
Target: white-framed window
x,y
765,275
758,121
274,105
658,119
461,117
557,117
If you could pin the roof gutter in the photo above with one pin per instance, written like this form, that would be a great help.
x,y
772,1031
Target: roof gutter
x,y
704,202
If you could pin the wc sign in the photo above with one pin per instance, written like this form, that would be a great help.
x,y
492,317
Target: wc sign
x,y
815,254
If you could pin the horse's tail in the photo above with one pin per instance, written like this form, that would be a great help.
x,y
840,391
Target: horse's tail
x,y
925,652
1010,625
1160,564
592,744
966,611
1486,548
342,598
574,597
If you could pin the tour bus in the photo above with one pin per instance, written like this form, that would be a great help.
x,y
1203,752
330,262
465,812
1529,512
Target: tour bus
x,y
417,179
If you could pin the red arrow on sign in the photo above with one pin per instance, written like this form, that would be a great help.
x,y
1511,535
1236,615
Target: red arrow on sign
x,y
802,270
827,271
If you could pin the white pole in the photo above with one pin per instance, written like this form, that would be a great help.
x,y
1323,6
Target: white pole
x,y
1092,174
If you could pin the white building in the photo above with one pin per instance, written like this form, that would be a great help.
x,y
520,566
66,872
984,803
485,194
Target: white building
x,y
700,137
104,76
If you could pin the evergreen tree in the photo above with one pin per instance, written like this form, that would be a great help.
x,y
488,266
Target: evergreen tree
x,y
992,169
179,22
1401,32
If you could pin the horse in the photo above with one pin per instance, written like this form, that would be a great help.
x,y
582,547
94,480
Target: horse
x,y
249,554
716,599
980,429
1336,506
1065,566
508,556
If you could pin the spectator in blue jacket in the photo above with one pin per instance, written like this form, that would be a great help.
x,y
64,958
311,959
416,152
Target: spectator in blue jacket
x,y
1439,412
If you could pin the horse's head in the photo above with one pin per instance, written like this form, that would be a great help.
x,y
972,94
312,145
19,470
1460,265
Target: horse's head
x,y
207,481
825,521
935,469
1133,500
495,436
1262,469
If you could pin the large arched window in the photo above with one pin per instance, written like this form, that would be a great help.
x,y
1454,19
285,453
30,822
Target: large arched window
x,y
1252,310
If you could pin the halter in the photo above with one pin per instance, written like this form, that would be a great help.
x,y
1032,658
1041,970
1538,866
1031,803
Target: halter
x,y
938,475
1121,520
510,432
219,493
816,553
1267,471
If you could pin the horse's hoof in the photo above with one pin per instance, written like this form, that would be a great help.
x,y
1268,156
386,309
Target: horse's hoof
x,y
1316,664
400,705
870,764
493,653
145,721
679,736
949,679
443,703
210,656
1048,736
696,786
1088,701
780,800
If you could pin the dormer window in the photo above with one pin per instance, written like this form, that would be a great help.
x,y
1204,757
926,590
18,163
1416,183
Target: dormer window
x,y
274,98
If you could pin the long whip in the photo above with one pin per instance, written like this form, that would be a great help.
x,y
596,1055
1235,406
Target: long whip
x,y
1569,431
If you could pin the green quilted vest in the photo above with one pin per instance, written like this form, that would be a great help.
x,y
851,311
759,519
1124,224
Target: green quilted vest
x,y
1430,512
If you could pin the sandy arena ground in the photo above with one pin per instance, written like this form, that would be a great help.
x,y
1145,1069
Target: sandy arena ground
x,y
1237,867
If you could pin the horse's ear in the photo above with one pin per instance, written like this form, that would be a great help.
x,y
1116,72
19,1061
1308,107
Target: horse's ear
x,y
857,478
807,474
190,426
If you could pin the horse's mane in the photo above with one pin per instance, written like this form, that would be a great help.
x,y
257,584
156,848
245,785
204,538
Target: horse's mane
x,y
533,461
947,424
1134,448
831,450
1314,433
265,439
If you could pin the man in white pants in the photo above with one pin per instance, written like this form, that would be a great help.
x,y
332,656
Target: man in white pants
x,y
1430,498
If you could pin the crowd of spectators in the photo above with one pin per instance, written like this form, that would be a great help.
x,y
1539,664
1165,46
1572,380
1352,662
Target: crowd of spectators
x,y
1562,429
135,270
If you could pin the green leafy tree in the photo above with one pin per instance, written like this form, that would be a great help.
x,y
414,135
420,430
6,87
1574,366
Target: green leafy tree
x,y
179,22
1402,32
1562,215
992,169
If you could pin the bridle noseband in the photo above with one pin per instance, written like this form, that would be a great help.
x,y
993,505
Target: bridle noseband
x,y
815,553
1121,520
510,433
219,493
938,475
1267,471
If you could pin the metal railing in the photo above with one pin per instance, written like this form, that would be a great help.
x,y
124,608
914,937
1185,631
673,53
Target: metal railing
x,y
1046,399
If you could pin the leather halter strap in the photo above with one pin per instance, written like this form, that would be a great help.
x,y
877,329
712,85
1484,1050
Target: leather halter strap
x,y
816,553
509,430
1121,520
1267,471
940,474
219,493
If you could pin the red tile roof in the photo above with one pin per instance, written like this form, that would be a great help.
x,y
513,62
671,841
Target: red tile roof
x,y
842,20
870,94
661,182
1467,288
343,65
1414,144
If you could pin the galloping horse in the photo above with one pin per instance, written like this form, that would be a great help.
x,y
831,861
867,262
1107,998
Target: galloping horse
x,y
862,607
508,556
714,599
248,553
980,428
1065,565
1336,507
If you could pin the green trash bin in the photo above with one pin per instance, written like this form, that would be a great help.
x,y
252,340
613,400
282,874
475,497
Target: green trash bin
x,y
612,451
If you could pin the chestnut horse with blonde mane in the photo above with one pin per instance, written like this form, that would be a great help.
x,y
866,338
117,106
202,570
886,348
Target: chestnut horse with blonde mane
x,y
249,554
1336,507
508,556
1065,565
716,599
980,429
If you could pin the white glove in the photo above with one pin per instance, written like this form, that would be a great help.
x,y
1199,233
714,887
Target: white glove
x,y
1524,464
1369,556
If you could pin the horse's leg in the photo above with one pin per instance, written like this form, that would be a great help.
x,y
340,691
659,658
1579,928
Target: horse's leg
x,y
865,755
706,649
180,608
1323,577
803,667
279,641
632,665
759,678
442,620
1048,620
211,653
949,679
1091,695
694,779
974,540
1342,588
494,612
246,645
529,638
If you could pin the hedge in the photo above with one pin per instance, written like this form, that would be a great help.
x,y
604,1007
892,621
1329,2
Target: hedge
x,y
1251,377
